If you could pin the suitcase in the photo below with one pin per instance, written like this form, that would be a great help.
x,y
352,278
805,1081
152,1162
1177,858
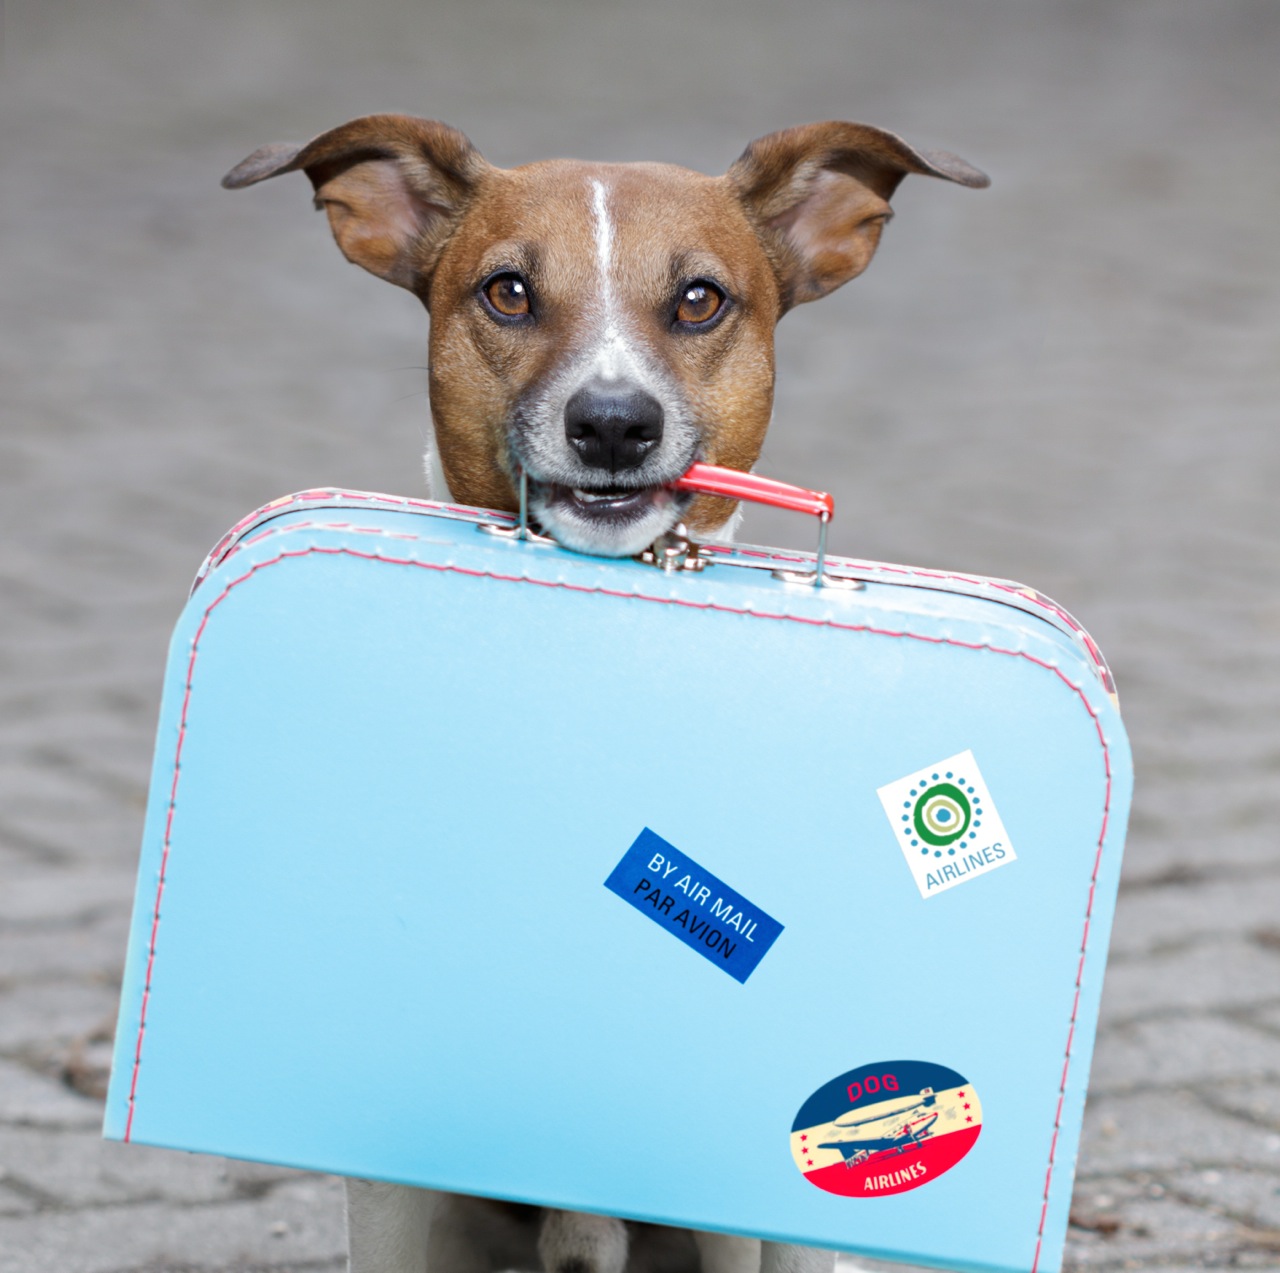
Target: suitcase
x,y
695,894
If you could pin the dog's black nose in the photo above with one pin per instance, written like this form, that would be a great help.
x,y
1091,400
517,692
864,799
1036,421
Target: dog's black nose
x,y
613,428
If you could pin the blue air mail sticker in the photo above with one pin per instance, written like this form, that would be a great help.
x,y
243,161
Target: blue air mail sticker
x,y
947,824
692,904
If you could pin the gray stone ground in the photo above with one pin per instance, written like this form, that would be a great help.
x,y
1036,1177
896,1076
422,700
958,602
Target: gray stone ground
x,y
1071,379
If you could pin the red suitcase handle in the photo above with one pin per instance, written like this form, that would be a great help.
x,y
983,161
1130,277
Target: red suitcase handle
x,y
710,479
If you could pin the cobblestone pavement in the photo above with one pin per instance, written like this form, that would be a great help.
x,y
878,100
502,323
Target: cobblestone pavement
x,y
1070,378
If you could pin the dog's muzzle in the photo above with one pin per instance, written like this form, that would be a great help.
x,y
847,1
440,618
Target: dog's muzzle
x,y
610,493
613,429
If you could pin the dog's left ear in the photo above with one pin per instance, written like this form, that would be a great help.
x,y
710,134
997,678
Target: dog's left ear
x,y
394,188
818,197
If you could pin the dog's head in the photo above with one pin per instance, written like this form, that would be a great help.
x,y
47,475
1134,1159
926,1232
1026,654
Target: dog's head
x,y
602,326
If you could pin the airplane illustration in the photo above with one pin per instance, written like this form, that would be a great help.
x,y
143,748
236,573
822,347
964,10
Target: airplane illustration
x,y
903,1126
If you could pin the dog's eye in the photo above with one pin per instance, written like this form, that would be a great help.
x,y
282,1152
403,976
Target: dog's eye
x,y
508,294
700,302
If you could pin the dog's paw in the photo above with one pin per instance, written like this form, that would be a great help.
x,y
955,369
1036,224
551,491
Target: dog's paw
x,y
571,1242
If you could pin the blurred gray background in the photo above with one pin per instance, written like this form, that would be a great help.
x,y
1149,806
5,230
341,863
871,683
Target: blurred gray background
x,y
1071,379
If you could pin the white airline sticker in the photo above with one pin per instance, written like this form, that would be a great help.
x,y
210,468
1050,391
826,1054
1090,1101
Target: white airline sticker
x,y
947,824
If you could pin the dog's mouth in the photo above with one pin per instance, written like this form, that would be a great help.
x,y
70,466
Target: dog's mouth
x,y
613,520
611,504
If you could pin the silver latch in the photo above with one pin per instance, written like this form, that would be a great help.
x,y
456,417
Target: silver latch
x,y
673,551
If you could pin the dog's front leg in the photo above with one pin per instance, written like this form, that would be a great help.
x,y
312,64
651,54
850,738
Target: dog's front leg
x,y
573,1242
387,1227
727,1252
782,1257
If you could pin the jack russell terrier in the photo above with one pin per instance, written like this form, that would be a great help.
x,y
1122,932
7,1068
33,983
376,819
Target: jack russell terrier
x,y
600,328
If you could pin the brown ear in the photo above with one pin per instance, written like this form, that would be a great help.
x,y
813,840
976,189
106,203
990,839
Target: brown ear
x,y
818,196
394,188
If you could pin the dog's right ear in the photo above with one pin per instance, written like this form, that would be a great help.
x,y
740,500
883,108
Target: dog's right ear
x,y
394,188
818,196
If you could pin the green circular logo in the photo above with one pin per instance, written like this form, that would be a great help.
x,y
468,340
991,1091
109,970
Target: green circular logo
x,y
941,814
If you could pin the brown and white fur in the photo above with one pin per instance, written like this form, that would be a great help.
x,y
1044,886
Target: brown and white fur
x,y
600,327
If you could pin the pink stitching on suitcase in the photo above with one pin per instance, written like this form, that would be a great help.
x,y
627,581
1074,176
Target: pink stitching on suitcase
x,y
881,567
441,568
1033,595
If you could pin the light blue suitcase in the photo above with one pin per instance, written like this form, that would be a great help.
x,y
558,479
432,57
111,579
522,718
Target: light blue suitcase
x,y
705,897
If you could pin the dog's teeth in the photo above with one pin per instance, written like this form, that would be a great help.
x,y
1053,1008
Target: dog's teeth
x,y
590,497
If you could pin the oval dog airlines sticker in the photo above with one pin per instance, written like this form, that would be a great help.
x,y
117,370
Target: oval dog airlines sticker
x,y
885,1128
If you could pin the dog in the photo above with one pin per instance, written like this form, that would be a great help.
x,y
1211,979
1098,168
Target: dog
x,y
595,330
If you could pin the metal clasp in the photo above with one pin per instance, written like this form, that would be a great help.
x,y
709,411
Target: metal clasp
x,y
674,551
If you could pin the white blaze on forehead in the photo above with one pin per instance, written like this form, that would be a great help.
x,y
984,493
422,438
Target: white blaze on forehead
x,y
604,233
612,358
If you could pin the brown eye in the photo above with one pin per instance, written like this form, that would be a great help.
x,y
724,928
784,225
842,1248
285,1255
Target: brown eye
x,y
699,303
508,294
